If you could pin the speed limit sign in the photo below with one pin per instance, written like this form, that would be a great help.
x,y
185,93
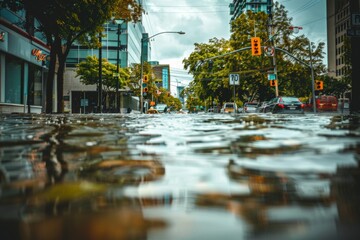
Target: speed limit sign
x,y
234,79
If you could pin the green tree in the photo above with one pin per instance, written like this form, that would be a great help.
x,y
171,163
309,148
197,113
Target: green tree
x,y
65,21
294,77
134,81
210,77
88,72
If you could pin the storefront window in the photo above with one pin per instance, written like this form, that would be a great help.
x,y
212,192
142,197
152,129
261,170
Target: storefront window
x,y
13,80
35,85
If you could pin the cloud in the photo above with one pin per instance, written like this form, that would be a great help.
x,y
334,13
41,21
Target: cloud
x,y
202,20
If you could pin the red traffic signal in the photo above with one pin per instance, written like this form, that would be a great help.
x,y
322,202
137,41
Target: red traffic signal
x,y
273,83
145,89
255,46
145,79
319,85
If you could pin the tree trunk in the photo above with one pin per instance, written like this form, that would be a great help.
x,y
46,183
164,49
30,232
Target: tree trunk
x,y
60,85
49,84
62,52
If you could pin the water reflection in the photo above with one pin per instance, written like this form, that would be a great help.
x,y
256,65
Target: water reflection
x,y
174,176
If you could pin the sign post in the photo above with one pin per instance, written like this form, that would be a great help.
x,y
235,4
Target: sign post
x,y
234,79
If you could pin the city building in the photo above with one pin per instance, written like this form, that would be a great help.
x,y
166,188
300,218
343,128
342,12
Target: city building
x,y
80,98
23,58
162,75
237,7
340,26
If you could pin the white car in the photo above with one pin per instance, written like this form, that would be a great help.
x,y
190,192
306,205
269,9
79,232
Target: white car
x,y
250,107
161,107
229,107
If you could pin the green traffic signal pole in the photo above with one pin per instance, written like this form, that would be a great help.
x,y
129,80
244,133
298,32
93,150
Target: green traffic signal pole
x,y
284,51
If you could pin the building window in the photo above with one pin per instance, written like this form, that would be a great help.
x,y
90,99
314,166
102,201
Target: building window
x,y
165,78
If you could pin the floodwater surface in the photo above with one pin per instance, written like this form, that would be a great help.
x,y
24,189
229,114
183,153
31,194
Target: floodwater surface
x,y
179,176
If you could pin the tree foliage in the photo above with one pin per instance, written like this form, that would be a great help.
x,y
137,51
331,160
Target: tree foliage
x,y
66,21
211,63
88,72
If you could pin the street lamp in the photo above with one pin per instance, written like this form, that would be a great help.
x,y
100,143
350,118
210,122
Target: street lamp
x,y
118,22
142,64
296,30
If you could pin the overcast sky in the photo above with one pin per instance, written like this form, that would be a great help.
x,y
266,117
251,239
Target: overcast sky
x,y
202,20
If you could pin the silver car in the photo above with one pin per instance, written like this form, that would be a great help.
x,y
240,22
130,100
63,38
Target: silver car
x,y
161,107
250,107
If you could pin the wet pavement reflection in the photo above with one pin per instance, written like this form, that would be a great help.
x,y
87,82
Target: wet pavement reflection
x,y
179,176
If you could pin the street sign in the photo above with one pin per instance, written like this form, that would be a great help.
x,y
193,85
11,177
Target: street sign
x,y
269,51
234,79
353,32
271,76
84,102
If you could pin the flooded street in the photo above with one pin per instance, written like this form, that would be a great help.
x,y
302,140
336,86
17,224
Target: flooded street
x,y
179,176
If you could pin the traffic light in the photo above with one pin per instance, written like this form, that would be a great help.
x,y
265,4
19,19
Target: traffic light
x,y
255,46
273,83
210,65
144,84
319,85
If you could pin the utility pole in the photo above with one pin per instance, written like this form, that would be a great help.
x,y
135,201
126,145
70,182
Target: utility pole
x,y
312,79
355,59
270,4
100,76
117,105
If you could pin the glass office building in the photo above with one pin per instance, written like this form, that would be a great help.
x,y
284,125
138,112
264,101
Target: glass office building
x,y
237,7
80,98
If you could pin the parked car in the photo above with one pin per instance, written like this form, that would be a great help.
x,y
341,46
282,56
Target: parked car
x,y
262,107
250,107
324,103
161,107
151,110
285,104
229,107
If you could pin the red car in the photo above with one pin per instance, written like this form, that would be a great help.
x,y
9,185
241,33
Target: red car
x,y
325,103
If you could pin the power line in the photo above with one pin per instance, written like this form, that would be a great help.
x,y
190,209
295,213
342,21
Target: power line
x,y
188,12
192,6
